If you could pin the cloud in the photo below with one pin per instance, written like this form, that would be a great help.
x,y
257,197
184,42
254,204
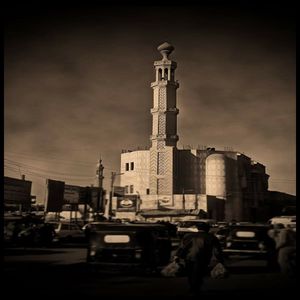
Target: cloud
x,y
79,85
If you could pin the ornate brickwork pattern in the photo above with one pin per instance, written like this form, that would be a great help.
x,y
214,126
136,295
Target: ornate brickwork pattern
x,y
161,163
155,124
161,124
160,144
162,99
161,185
153,171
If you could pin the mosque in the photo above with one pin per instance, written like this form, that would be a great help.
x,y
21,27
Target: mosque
x,y
168,183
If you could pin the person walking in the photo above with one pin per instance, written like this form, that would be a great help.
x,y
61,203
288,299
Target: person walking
x,y
286,247
197,250
285,239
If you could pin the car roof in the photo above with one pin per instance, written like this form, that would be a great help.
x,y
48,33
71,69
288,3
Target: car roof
x,y
122,226
249,226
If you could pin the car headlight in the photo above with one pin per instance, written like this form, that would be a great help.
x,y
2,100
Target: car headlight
x,y
93,249
138,254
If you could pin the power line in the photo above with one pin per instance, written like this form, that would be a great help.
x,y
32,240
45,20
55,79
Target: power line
x,y
64,161
43,170
30,173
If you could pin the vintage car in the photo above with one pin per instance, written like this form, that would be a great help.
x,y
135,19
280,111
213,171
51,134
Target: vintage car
x,y
221,234
251,240
191,226
286,221
68,232
131,245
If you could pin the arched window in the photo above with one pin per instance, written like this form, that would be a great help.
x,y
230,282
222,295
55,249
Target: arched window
x,y
166,74
159,74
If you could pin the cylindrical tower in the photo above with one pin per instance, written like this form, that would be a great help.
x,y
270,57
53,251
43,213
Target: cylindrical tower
x,y
216,175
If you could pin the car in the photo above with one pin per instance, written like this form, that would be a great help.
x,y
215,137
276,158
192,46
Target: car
x,y
286,221
68,232
191,226
221,234
252,240
143,246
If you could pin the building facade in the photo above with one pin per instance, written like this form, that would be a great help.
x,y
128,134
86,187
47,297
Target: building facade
x,y
182,179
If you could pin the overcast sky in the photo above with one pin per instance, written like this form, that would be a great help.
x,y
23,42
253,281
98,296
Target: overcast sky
x,y
77,85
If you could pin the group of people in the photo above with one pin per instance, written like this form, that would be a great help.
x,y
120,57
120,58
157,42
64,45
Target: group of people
x,y
201,251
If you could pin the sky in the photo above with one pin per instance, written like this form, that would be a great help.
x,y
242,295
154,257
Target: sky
x,y
77,86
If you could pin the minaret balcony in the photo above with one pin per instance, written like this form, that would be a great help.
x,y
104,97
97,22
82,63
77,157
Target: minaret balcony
x,y
164,137
173,110
163,83
159,137
165,62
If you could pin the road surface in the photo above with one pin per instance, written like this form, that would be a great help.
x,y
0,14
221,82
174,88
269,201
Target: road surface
x,y
63,272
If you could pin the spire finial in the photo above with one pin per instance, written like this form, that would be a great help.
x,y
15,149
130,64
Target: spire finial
x,y
165,49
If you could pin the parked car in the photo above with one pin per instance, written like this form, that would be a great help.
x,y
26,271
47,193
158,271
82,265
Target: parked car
x,y
191,225
68,232
90,227
252,240
221,234
146,246
286,221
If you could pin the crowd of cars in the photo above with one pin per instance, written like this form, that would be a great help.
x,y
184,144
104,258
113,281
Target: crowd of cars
x,y
143,244
31,230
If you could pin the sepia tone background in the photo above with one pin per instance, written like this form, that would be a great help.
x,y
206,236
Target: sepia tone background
x,y
77,86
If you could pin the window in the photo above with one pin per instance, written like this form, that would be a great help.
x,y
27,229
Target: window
x,y
131,189
159,74
127,167
147,191
126,189
132,166
166,74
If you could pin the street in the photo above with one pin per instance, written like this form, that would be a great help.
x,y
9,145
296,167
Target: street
x,y
62,271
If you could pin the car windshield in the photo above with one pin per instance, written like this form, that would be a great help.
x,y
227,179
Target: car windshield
x,y
188,224
55,225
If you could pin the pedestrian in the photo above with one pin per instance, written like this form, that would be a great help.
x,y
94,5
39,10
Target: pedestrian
x,y
197,250
274,231
286,251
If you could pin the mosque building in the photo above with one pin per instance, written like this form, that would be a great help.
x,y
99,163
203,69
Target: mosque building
x,y
167,183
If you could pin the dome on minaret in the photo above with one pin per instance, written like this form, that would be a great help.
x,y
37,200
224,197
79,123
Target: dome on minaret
x,y
165,49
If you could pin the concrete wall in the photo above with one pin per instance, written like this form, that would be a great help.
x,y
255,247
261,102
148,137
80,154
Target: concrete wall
x,y
139,177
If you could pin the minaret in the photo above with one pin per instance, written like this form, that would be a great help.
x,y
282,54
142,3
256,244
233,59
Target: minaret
x,y
164,124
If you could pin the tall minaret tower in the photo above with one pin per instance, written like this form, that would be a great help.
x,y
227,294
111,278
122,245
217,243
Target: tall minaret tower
x,y
164,124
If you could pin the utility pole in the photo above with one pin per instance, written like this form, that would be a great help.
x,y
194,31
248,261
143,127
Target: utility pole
x,y
108,210
100,177
112,181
